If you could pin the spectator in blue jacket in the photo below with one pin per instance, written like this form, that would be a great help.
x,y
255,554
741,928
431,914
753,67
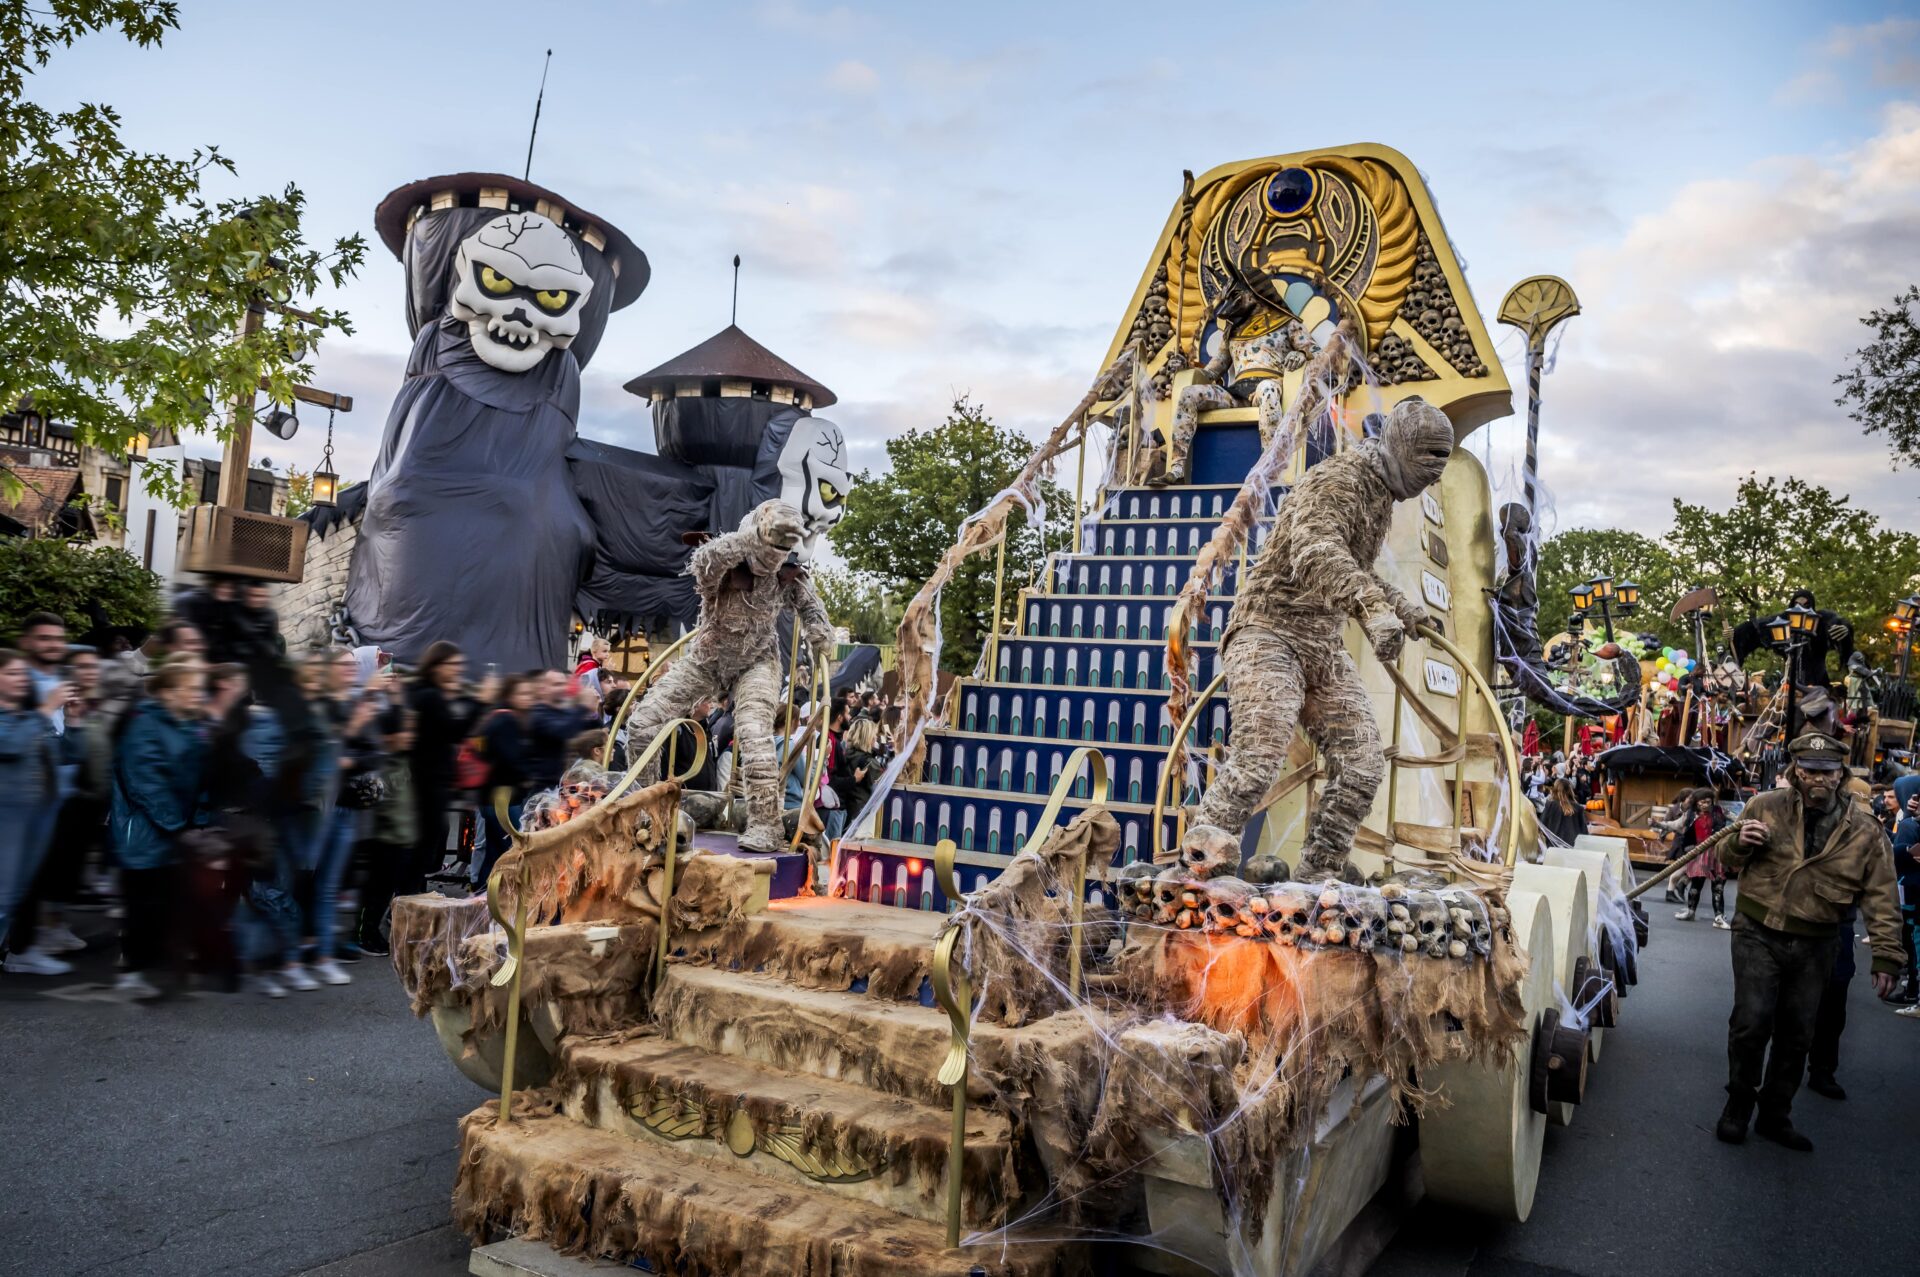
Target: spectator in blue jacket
x,y
1906,869
29,744
157,774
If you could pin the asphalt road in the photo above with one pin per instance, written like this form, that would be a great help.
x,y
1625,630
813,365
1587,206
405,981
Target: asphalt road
x,y
225,1135
1638,1185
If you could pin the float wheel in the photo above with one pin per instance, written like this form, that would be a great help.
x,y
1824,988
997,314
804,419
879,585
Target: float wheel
x,y
1480,1140
533,1066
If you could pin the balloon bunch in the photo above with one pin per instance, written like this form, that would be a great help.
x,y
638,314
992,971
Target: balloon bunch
x,y
1671,667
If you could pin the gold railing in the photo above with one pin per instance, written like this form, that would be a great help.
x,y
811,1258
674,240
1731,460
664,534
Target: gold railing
x,y
1456,754
640,685
951,988
512,969
822,683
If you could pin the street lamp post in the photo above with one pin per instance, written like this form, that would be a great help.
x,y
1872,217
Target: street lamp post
x,y
1788,634
1904,613
1602,593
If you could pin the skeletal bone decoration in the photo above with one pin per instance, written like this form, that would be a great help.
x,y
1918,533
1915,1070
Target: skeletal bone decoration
x,y
1393,918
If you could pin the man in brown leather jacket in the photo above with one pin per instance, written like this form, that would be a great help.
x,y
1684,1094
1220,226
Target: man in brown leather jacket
x,y
1805,854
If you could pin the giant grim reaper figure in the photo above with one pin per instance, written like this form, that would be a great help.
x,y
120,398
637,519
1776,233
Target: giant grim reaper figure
x,y
474,527
745,580
1285,662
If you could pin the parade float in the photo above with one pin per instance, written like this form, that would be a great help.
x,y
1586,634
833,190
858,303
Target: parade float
x,y
1013,1023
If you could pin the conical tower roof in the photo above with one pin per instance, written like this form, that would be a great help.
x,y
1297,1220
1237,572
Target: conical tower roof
x,y
729,355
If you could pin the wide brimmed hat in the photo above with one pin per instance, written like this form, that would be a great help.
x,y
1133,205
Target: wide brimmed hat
x,y
497,190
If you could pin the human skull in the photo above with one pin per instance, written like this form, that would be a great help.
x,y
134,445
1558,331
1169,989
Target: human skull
x,y
1367,915
1290,912
1229,906
1430,921
1471,923
1167,890
519,286
814,479
1134,886
1209,851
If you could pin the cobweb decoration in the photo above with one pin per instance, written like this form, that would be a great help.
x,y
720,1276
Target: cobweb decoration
x,y
1218,1025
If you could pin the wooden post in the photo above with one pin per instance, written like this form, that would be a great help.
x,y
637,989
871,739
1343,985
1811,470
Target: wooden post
x,y
236,457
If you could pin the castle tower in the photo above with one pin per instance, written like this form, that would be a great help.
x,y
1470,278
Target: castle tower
x,y
711,409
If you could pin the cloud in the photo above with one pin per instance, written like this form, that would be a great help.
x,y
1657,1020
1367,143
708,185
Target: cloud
x,y
1712,330
853,77
1889,49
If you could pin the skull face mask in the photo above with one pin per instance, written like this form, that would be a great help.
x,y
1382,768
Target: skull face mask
x,y
519,287
814,479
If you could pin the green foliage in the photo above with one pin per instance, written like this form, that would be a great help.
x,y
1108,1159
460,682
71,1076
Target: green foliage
x,y
88,585
299,491
1578,555
122,286
858,601
1782,534
1778,535
1882,389
898,524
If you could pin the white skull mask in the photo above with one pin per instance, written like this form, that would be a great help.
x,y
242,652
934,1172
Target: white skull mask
x,y
519,286
814,479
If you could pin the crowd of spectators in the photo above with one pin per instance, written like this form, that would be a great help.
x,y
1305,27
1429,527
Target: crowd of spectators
x,y
247,816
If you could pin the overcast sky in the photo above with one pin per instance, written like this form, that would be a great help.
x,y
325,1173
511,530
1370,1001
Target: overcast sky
x,y
941,199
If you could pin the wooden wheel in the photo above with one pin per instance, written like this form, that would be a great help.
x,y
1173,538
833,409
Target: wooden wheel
x,y
1480,1142
1594,863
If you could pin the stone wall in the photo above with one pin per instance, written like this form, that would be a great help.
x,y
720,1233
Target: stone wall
x,y
307,608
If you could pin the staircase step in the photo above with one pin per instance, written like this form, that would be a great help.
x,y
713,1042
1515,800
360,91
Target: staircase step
x,y
1135,575
980,820
996,763
793,1127
1186,501
1108,538
1119,616
893,1047
819,942
582,1189
1093,715
896,875
1119,664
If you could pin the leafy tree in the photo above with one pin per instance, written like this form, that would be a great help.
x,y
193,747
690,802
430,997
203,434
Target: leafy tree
x,y
93,587
898,524
1780,534
1883,385
299,491
122,285
1578,555
859,602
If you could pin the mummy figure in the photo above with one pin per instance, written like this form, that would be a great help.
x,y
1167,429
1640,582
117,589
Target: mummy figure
x,y
745,580
1285,662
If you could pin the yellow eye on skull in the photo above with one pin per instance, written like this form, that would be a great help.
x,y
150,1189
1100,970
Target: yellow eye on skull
x,y
494,282
554,299
830,495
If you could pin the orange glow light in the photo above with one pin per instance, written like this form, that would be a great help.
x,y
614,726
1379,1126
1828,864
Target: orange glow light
x,y
913,866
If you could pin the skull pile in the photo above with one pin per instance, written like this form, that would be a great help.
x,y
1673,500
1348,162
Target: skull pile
x,y
1395,918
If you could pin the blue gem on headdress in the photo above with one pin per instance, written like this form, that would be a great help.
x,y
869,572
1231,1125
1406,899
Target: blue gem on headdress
x,y
1289,191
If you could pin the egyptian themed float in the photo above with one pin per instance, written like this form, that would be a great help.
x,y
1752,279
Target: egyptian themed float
x,y
1011,1023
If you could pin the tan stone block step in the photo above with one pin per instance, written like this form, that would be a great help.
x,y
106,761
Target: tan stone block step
x,y
584,1190
818,942
895,1047
809,1131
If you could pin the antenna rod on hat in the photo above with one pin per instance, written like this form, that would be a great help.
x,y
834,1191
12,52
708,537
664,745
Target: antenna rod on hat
x,y
735,317
526,174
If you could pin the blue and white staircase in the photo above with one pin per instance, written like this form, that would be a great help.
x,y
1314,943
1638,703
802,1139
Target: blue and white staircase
x,y
1083,665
